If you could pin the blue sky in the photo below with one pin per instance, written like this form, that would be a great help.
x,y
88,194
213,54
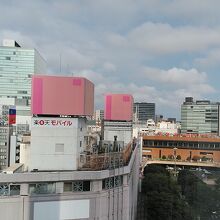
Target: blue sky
x,y
158,50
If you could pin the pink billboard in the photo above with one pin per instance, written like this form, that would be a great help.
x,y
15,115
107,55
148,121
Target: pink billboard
x,y
56,95
118,107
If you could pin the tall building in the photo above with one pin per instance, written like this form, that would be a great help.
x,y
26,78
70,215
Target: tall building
x,y
17,65
201,116
98,115
143,111
6,131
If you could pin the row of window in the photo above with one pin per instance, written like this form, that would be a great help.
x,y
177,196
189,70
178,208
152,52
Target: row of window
x,y
112,182
181,144
8,189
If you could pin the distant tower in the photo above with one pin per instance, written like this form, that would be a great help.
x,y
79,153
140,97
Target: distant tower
x,y
17,66
144,111
201,116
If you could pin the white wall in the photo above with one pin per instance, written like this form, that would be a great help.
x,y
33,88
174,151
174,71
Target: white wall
x,y
25,155
123,131
61,210
56,143
125,136
13,144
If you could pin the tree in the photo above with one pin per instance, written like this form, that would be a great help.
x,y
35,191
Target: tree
x,y
170,157
196,158
204,158
203,200
164,157
178,157
161,196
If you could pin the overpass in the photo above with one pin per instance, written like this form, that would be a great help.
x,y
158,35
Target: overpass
x,y
146,162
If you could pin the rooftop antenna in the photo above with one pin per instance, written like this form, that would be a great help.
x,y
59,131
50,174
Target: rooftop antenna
x,y
60,62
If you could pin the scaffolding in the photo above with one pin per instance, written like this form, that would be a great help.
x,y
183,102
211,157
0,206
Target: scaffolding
x,y
108,160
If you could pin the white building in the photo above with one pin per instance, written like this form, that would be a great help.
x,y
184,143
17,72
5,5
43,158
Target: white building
x,y
123,131
56,144
97,185
99,115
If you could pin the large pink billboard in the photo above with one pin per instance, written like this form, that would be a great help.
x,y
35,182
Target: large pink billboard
x,y
118,107
56,95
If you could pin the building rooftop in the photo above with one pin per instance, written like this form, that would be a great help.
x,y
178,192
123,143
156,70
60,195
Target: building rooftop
x,y
184,137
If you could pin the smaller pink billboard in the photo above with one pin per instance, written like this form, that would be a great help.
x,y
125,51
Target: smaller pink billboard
x,y
59,95
118,107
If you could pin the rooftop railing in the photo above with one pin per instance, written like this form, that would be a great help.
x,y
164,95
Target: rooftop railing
x,y
107,160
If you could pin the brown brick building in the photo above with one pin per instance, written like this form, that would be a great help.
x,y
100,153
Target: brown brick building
x,y
182,147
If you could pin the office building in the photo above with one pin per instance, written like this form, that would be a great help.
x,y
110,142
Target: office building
x,y
98,115
143,111
186,147
158,118
17,65
6,130
201,116
64,176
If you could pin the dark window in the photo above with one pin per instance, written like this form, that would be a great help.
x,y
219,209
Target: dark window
x,y
77,186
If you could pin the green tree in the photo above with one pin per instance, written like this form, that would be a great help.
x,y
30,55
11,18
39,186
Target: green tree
x,y
161,196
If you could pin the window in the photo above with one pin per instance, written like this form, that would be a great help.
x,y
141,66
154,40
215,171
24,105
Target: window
x,y
8,58
77,186
59,148
42,188
112,182
7,189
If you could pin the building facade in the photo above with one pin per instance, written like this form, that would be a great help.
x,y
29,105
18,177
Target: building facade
x,y
6,131
64,176
199,117
183,147
98,115
89,194
17,65
143,111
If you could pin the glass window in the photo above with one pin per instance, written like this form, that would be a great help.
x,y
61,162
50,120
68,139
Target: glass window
x,y
42,188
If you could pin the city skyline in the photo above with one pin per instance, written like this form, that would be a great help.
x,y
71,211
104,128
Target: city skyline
x,y
159,51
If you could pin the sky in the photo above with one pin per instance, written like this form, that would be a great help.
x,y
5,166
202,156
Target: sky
x,y
157,50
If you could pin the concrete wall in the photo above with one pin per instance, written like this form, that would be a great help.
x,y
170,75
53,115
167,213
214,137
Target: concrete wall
x,y
123,131
56,143
101,204
184,153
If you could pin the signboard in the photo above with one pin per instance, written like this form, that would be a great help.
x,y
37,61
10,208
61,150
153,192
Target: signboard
x,y
53,122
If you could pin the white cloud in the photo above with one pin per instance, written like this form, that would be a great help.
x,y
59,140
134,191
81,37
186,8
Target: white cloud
x,y
170,90
109,67
176,77
109,41
160,38
211,59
